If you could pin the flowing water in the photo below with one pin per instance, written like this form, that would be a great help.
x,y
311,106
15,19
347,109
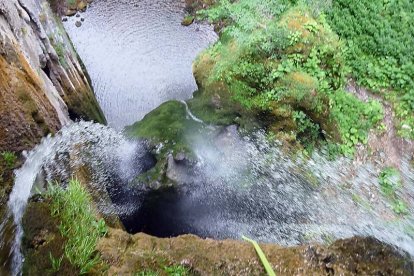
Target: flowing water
x,y
239,185
137,54
111,159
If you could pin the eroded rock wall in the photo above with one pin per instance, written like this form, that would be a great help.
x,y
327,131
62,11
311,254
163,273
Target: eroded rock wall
x,y
42,82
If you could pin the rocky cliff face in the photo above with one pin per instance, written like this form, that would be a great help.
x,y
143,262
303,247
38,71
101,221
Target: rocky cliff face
x,y
42,83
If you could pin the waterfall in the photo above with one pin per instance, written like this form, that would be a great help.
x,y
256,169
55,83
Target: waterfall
x,y
103,149
239,185
190,114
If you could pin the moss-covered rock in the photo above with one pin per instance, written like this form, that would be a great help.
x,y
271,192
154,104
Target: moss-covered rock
x,y
170,131
188,20
167,124
42,239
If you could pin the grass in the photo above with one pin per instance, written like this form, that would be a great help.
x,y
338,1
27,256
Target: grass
x,y
78,224
9,158
60,51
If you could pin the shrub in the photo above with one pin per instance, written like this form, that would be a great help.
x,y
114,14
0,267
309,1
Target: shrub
x,y
276,53
380,51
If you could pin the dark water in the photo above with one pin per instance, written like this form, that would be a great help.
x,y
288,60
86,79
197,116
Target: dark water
x,y
138,54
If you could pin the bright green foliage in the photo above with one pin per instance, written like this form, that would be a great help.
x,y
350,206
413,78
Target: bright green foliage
x,y
10,158
277,53
56,263
262,257
176,270
390,182
380,49
78,224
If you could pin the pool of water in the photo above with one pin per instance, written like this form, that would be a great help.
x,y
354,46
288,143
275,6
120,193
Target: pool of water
x,y
138,54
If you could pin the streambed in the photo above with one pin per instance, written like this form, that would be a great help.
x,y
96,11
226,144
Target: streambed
x,y
138,54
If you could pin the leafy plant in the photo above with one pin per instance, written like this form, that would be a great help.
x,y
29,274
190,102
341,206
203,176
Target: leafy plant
x,y
378,37
276,53
390,181
78,224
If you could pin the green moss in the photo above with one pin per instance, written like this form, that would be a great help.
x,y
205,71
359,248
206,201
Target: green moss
x,y
84,105
9,158
167,124
188,20
289,61
41,240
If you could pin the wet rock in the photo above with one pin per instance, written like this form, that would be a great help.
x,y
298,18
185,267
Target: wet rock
x,y
179,172
42,238
82,5
187,21
78,24
70,12
42,81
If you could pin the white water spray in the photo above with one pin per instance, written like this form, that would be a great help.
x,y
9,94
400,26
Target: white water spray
x,y
76,145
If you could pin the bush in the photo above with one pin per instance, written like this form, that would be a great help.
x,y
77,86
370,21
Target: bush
x,y
380,51
276,53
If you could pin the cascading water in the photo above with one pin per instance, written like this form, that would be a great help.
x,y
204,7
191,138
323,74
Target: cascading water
x,y
108,155
190,114
251,186
239,185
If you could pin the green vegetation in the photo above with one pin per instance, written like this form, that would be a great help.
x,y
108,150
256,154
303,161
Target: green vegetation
x,y
71,2
60,50
175,270
167,124
390,182
56,263
282,58
378,36
188,20
9,158
262,257
78,224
